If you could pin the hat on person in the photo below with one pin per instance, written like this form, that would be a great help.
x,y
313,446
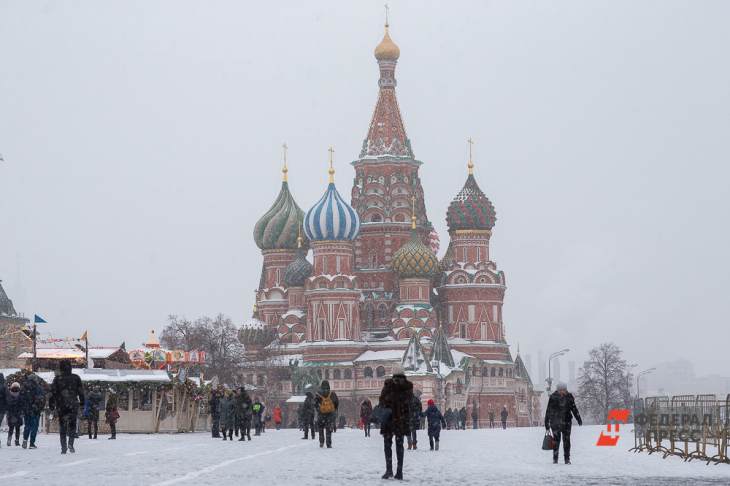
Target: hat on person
x,y
398,370
430,402
15,386
562,386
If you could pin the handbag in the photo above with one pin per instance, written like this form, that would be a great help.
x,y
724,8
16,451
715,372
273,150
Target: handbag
x,y
548,442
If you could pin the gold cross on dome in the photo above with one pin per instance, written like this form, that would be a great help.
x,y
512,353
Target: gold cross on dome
x,y
387,10
284,169
471,163
332,167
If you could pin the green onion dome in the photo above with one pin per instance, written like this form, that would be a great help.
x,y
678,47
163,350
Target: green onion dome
x,y
279,227
471,209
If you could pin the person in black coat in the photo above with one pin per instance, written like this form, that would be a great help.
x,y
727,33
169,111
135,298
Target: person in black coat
x,y
415,413
33,398
93,403
474,417
326,403
3,404
66,395
462,418
559,419
435,422
308,416
14,403
491,418
214,407
396,399
503,415
244,413
366,411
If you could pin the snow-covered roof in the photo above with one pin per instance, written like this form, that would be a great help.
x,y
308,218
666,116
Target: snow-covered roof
x,y
296,399
91,375
253,323
70,353
293,312
385,355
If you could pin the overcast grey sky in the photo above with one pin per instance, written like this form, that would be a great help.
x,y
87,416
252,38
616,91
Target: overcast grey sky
x,y
142,142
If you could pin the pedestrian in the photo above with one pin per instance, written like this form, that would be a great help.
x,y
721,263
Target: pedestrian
x,y
3,399
503,415
67,393
415,420
447,417
277,417
326,404
214,408
111,414
228,415
14,404
258,416
474,417
435,422
93,402
559,420
491,418
366,411
308,413
33,398
396,399
243,414
462,418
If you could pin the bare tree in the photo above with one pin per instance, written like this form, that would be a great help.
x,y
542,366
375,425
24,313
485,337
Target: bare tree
x,y
603,381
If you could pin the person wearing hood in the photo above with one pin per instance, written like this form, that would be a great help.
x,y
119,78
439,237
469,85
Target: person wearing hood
x,y
14,403
3,403
93,402
66,395
416,409
244,414
214,407
503,415
326,403
366,411
396,400
308,416
228,415
435,422
34,401
559,420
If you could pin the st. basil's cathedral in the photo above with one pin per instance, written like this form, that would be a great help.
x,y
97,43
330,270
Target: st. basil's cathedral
x,y
375,296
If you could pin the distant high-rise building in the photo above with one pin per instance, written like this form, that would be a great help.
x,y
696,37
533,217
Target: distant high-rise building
x,y
556,370
571,371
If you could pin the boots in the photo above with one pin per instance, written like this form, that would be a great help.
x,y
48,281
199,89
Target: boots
x,y
71,444
437,445
25,443
64,447
388,468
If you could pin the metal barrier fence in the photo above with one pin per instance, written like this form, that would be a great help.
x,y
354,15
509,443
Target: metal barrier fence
x,y
687,426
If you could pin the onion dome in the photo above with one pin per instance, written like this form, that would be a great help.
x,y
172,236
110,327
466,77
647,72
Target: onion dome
x,y
278,228
471,209
387,50
331,218
414,259
255,333
299,270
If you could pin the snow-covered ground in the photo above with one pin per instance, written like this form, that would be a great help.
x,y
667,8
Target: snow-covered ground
x,y
466,457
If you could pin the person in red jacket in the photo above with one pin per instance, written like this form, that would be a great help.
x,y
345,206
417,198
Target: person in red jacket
x,y
277,417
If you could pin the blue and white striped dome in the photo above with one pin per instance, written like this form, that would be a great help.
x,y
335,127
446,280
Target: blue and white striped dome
x,y
331,218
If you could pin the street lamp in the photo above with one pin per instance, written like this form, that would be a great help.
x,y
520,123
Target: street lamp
x,y
638,378
550,375
628,377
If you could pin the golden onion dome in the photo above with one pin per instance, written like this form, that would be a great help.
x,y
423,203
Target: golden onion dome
x,y
387,50
415,260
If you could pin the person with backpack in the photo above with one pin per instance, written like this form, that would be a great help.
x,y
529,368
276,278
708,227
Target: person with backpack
x,y
67,393
91,412
308,413
396,401
559,419
415,421
243,414
366,411
33,398
258,416
503,415
326,403
214,408
111,414
435,422
277,417
15,413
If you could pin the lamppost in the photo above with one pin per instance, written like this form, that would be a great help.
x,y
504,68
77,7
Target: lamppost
x,y
638,378
549,379
628,376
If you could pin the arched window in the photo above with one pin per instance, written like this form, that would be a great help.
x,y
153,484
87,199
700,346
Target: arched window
x,y
501,372
474,371
493,372
399,218
326,374
319,373
260,380
485,371
368,372
382,312
380,372
348,374
376,218
337,375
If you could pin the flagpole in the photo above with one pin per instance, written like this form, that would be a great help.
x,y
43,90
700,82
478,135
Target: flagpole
x,y
86,335
33,361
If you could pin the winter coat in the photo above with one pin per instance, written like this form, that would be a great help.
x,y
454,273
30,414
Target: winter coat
x,y
560,411
415,413
14,410
3,392
366,410
462,415
474,414
228,413
326,419
66,392
398,399
214,405
243,408
33,397
111,413
435,419
93,403
277,415
308,410
503,415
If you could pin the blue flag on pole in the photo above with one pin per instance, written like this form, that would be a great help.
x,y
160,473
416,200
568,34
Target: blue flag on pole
x,y
38,319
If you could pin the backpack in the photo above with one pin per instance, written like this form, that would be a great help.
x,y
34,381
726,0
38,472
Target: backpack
x,y
256,407
326,405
